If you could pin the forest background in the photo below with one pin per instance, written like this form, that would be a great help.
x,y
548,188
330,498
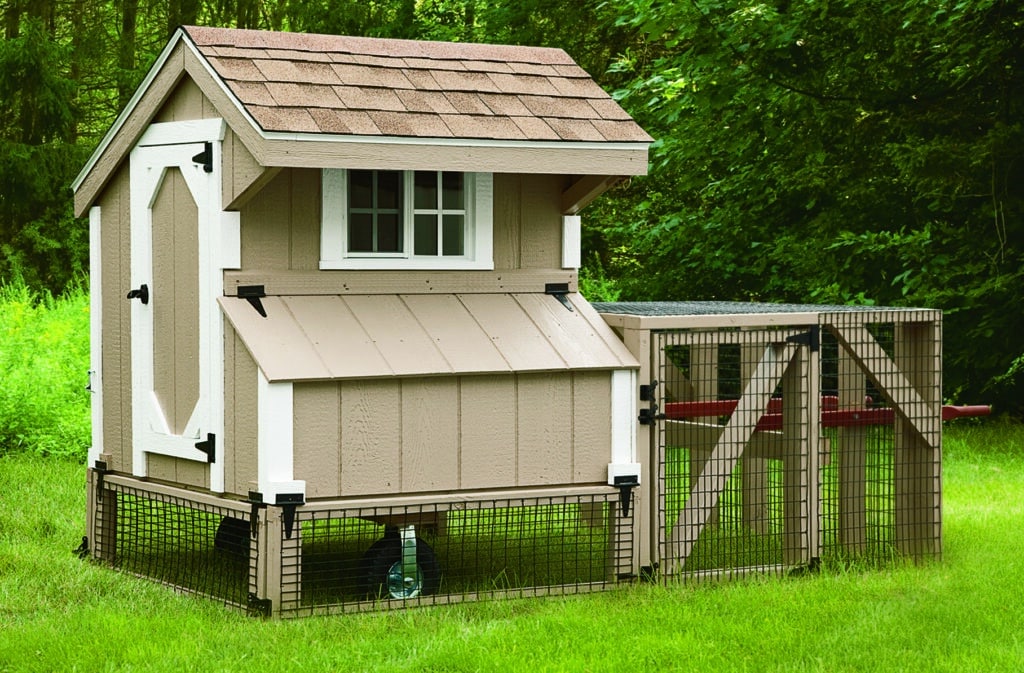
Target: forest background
x,y
842,151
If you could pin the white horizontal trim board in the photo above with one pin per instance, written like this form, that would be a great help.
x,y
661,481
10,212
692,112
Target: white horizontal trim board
x,y
177,133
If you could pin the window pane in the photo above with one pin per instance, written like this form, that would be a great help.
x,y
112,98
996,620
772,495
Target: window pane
x,y
452,226
452,191
389,233
360,232
389,189
426,190
360,189
426,235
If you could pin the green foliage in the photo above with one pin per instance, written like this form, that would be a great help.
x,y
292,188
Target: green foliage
x,y
44,363
848,151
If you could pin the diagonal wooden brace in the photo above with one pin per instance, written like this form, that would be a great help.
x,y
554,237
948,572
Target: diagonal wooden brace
x,y
736,434
885,374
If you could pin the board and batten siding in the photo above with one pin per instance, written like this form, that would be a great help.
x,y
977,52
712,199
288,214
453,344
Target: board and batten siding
x,y
281,222
421,434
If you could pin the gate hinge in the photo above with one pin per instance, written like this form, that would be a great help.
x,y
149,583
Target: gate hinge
x,y
648,394
205,157
626,484
209,447
811,338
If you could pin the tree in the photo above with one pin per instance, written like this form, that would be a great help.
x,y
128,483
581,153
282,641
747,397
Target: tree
x,y
849,151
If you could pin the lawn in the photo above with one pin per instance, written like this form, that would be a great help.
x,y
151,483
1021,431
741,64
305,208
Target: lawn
x,y
58,613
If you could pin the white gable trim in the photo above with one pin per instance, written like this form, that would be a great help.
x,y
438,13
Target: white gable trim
x,y
115,128
95,334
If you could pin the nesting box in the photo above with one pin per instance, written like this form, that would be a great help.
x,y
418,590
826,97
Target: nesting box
x,y
332,274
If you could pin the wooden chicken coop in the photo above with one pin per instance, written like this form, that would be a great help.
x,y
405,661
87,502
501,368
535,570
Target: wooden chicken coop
x,y
339,359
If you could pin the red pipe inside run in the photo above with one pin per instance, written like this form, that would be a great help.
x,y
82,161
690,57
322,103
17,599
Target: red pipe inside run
x,y
831,415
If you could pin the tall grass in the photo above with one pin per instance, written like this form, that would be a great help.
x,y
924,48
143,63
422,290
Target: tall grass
x,y
44,365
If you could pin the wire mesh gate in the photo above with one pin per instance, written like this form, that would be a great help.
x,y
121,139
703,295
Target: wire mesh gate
x,y
734,454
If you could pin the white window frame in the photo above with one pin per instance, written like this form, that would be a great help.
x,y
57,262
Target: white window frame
x,y
478,244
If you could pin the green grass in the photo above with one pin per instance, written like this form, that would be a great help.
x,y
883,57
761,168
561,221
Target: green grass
x,y
58,613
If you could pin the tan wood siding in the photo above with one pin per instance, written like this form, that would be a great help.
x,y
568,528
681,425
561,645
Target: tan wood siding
x,y
241,416
185,102
508,212
591,426
488,424
318,431
448,433
281,225
116,355
176,300
371,437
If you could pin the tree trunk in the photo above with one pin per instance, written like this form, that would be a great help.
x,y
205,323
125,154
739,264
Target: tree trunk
x,y
126,52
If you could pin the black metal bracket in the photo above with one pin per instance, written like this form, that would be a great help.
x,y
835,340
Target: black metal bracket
x,y
142,294
648,394
811,338
626,484
259,607
209,447
82,550
559,291
205,157
253,294
256,504
100,466
288,502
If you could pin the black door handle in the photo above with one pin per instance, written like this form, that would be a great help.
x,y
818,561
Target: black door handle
x,y
141,294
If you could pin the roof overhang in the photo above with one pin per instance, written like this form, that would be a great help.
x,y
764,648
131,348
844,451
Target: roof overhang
x,y
181,58
338,337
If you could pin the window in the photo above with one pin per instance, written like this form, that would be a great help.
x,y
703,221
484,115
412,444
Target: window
x,y
376,219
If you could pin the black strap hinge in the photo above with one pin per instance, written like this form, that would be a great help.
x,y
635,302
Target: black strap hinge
x,y
253,294
648,393
205,157
209,447
811,338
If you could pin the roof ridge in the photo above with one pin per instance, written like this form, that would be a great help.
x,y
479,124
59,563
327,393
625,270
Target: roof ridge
x,y
205,36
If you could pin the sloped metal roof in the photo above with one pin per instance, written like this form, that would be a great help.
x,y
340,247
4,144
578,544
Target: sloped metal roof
x,y
329,337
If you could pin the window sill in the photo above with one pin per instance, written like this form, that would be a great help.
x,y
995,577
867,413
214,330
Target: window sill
x,y
406,264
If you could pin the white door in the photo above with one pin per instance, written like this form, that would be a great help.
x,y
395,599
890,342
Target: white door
x,y
176,325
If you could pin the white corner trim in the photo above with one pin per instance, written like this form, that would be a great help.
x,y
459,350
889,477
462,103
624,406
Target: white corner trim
x,y
624,423
275,439
571,241
231,239
95,333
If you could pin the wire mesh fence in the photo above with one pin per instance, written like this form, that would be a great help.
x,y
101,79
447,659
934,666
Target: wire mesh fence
x,y
776,451
195,547
396,556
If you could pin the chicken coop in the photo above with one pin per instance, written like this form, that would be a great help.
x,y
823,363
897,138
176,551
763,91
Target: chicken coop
x,y
340,361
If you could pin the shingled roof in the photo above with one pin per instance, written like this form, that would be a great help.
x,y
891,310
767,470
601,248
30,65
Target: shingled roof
x,y
328,101
302,83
